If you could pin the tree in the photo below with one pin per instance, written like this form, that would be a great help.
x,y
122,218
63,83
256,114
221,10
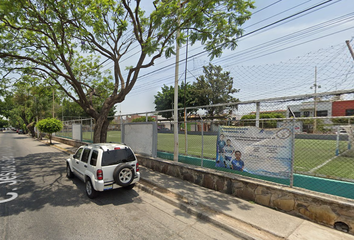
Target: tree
x,y
29,103
49,125
143,119
164,99
6,104
70,110
64,40
214,87
265,123
341,121
4,123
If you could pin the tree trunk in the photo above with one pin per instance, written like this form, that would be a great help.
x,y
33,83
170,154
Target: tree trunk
x,y
100,129
31,129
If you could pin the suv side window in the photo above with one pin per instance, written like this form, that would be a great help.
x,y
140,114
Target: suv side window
x,y
85,155
94,156
78,153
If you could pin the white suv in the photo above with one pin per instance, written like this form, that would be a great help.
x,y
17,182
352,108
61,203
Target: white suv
x,y
104,166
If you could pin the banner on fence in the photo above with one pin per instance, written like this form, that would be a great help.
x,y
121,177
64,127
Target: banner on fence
x,y
266,152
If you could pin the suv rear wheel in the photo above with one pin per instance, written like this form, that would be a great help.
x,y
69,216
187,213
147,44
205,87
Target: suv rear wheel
x,y
124,175
90,191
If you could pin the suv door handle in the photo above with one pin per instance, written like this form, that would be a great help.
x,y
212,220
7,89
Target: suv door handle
x,y
85,166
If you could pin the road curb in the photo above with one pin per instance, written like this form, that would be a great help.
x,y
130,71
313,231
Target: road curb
x,y
57,147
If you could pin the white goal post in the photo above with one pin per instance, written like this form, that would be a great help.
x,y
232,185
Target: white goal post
x,y
349,132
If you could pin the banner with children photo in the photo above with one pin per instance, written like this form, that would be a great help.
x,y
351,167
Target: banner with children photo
x,y
266,152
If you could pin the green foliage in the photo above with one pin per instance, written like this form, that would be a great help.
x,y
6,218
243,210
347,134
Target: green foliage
x,y
341,121
263,116
4,123
214,87
308,126
143,119
62,42
28,102
6,105
164,99
70,110
49,125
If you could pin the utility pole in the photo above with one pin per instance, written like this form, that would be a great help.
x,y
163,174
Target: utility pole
x,y
315,101
175,112
185,111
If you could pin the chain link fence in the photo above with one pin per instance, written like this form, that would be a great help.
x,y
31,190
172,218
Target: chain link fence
x,y
323,147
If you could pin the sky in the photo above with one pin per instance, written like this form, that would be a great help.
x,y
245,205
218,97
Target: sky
x,y
279,45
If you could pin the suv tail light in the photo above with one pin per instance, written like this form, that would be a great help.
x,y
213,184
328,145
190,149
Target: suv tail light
x,y
99,174
137,167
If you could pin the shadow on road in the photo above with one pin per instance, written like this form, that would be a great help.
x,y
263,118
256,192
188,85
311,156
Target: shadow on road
x,y
41,180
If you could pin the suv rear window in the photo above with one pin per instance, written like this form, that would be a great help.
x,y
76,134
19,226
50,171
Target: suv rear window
x,y
114,157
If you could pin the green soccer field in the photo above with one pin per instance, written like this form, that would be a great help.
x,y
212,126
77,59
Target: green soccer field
x,y
308,153
308,156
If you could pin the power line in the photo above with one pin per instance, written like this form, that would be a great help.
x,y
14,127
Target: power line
x,y
259,29
275,14
248,34
255,52
272,4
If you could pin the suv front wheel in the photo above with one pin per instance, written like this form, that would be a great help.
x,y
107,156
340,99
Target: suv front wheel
x,y
124,175
69,173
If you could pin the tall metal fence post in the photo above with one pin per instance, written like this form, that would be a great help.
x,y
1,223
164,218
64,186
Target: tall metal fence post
x,y
185,134
121,128
202,142
258,109
337,147
292,153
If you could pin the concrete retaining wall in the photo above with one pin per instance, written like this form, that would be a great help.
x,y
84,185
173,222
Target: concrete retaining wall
x,y
320,208
68,141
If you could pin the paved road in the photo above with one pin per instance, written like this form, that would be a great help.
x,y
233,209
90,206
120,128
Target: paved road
x,y
37,201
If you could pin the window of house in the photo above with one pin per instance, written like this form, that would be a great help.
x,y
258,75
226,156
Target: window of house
x,y
297,114
323,113
349,112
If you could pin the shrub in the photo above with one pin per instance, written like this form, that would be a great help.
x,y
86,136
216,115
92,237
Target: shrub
x,y
49,125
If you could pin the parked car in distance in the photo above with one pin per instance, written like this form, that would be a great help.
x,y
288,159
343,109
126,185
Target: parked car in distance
x,y
104,166
164,130
342,132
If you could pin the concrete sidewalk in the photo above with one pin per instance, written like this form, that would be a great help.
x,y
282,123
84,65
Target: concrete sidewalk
x,y
242,218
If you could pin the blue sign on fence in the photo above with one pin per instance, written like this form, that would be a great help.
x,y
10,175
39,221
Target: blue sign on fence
x,y
266,152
